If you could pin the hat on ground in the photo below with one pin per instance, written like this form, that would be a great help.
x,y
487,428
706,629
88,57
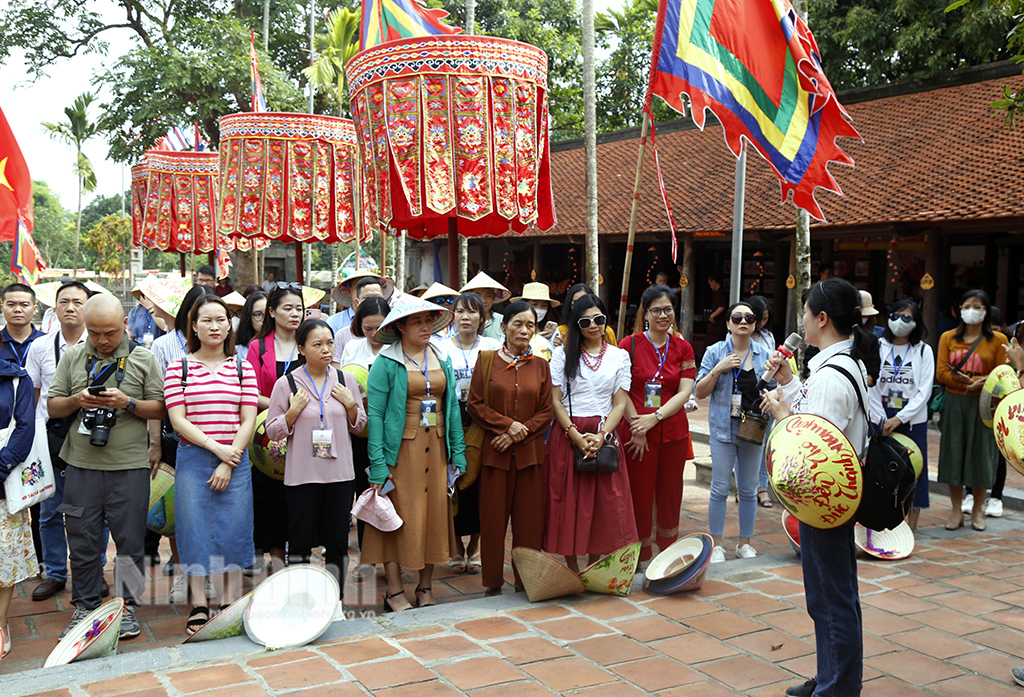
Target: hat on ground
x,y
1000,382
887,544
544,577
234,299
814,470
792,527
227,623
292,607
536,291
1009,430
867,305
614,573
439,290
681,566
484,282
408,305
166,293
94,637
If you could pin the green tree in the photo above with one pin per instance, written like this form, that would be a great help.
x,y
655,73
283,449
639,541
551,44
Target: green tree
x,y
334,48
102,206
75,132
111,238
53,230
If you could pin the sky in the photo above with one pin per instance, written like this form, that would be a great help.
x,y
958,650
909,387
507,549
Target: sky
x,y
26,104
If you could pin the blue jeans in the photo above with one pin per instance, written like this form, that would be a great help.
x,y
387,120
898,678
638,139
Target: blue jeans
x,y
745,458
51,533
829,560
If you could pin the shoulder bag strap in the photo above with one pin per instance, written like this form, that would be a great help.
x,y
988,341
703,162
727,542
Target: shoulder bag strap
x,y
967,355
856,388
184,372
291,383
56,349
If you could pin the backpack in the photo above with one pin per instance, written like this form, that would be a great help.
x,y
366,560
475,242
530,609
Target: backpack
x,y
889,482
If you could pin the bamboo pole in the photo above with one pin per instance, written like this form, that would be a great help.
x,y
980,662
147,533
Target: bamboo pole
x,y
632,225
736,272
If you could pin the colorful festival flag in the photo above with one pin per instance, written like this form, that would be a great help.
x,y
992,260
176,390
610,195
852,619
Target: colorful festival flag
x,y
756,66
15,185
258,102
223,264
389,20
26,262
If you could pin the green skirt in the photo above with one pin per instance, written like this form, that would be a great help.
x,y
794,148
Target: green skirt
x,y
967,452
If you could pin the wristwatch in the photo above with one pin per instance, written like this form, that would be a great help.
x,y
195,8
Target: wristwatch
x,y
131,405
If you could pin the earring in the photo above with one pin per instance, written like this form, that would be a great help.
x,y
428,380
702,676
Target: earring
x,y
647,325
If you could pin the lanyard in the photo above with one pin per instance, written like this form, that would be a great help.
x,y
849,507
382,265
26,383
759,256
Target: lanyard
x,y
661,357
181,341
119,372
426,360
319,392
892,359
291,356
465,356
736,371
20,356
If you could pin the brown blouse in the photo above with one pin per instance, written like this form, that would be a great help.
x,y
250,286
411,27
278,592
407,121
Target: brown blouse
x,y
520,394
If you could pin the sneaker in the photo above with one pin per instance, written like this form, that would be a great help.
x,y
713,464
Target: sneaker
x,y
210,591
129,625
339,613
968,504
179,590
1018,675
717,554
745,552
255,570
805,690
80,614
994,508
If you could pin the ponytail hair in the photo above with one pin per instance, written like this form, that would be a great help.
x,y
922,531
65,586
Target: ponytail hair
x,y
840,300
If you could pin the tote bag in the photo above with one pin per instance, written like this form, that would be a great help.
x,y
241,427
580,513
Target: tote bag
x,y
32,481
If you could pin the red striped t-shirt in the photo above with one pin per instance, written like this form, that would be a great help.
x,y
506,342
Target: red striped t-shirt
x,y
213,402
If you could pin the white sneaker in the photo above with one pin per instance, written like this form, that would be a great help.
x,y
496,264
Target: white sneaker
x,y
339,613
179,590
994,508
717,554
745,552
968,504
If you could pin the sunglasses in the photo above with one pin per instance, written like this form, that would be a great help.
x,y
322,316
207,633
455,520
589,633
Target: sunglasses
x,y
288,285
896,317
588,322
443,300
743,319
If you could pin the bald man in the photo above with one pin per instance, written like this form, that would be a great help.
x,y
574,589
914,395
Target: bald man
x,y
116,386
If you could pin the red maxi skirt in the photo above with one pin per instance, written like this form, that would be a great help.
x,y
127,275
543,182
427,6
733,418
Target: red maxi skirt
x,y
585,513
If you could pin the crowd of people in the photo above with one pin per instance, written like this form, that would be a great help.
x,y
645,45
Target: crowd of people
x,y
468,416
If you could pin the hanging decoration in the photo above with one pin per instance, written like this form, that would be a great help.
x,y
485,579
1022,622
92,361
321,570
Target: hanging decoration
x,y
574,266
890,262
652,264
756,284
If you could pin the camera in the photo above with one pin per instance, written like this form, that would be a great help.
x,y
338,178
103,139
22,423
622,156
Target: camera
x,y
99,421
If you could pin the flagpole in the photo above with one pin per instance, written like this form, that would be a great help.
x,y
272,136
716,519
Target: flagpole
x,y
632,224
736,273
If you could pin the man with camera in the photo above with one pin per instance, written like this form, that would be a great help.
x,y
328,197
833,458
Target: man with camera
x,y
110,387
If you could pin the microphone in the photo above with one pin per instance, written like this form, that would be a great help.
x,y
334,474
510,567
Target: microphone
x,y
787,349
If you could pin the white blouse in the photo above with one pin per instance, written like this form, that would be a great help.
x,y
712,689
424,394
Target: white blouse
x,y
592,391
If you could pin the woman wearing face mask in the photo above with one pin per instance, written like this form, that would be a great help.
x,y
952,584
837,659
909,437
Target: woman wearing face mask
x,y
250,321
537,295
899,400
968,454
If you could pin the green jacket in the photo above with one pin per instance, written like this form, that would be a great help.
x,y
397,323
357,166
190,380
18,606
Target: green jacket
x,y
387,387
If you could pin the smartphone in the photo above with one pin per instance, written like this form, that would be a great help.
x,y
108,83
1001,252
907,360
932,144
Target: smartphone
x,y
551,326
312,313
95,390
389,485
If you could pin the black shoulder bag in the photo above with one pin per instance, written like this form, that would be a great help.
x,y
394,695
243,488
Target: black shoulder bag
x,y
607,458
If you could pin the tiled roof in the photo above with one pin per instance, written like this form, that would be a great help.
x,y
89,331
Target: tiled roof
x,y
928,158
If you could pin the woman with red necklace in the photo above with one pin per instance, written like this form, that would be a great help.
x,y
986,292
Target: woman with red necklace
x,y
587,513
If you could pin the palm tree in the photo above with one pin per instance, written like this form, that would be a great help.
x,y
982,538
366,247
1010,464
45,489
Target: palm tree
x,y
334,49
75,132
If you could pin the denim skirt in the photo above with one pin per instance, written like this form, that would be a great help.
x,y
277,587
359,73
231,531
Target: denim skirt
x,y
213,528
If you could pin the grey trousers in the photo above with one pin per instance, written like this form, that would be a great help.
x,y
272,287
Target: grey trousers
x,y
121,498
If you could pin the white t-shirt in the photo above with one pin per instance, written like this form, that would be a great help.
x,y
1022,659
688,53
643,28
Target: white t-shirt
x,y
41,366
592,391
463,361
357,351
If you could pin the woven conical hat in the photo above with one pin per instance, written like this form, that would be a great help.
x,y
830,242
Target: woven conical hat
x,y
612,574
484,282
227,623
887,544
94,637
544,577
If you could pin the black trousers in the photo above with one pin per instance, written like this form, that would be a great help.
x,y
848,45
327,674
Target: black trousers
x,y
318,514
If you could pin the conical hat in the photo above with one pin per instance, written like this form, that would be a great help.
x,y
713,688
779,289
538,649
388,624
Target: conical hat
x,y
166,293
484,282
814,470
1000,382
46,293
160,482
418,291
544,577
234,299
1008,426
94,637
916,456
680,565
439,290
614,573
887,544
292,607
792,527
227,623
408,305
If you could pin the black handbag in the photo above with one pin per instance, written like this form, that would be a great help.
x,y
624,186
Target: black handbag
x,y
607,458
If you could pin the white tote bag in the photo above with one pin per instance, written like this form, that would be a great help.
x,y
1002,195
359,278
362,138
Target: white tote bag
x,y
32,481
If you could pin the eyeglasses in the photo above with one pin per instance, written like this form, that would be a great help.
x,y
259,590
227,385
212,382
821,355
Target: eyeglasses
x,y
587,322
896,317
743,319
660,311
257,315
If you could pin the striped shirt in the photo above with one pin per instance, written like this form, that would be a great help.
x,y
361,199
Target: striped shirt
x,y
213,401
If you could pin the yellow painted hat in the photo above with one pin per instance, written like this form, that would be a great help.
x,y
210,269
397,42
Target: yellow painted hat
x,y
814,470
612,574
1008,426
1001,382
916,456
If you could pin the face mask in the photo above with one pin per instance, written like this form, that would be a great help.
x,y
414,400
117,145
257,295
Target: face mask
x,y
900,328
234,323
864,320
972,316
541,313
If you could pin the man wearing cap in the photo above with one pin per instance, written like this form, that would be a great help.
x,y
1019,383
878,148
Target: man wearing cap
x,y
367,285
19,307
490,291
538,295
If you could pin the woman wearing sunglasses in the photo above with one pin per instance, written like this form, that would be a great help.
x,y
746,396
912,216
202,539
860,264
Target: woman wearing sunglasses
x,y
729,372
899,400
663,370
587,513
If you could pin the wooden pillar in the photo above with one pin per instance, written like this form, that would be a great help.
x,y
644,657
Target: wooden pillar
x,y
299,276
453,251
686,294
932,299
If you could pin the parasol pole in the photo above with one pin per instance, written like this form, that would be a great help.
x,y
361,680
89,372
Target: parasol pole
x,y
453,249
383,252
181,263
632,224
736,272
298,263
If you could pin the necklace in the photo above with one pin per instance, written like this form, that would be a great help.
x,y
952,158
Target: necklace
x,y
585,355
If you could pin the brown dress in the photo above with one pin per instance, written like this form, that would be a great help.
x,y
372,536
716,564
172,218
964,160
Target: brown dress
x,y
421,489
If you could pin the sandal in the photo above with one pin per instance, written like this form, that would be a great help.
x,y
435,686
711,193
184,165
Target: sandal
x,y
195,622
388,607
361,571
765,502
424,590
473,566
458,565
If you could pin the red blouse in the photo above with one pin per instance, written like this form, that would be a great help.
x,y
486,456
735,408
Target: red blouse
x,y
679,364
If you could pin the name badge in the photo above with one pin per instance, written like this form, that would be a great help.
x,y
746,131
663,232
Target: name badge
x,y
322,442
428,412
735,406
462,387
896,399
652,395
147,340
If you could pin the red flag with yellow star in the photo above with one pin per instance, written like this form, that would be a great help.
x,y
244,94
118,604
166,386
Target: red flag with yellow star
x,y
15,185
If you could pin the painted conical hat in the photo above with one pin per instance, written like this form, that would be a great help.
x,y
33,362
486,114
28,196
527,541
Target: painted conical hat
x,y
612,574
677,565
46,293
814,470
792,527
886,544
292,607
544,577
94,637
1008,427
484,282
227,623
1000,382
159,483
916,456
